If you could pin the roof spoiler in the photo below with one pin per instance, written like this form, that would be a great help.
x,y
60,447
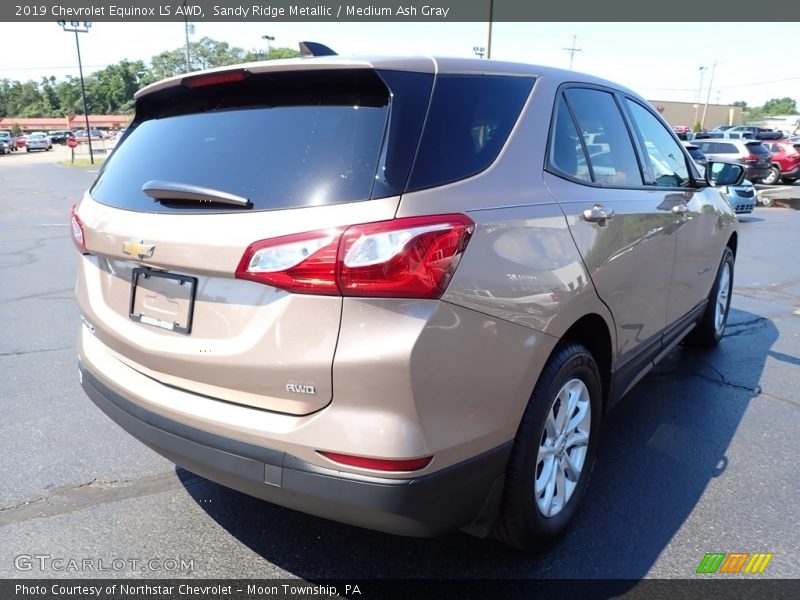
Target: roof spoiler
x,y
312,49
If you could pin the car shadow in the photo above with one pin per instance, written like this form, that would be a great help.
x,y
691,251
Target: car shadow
x,y
661,447
749,219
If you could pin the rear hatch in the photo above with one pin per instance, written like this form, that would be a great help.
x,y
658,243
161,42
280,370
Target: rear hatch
x,y
758,154
211,165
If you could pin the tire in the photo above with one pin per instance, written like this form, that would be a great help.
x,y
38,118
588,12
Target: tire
x,y
788,180
570,375
773,177
711,327
27,149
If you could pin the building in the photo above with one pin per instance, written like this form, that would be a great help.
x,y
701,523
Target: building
x,y
689,113
74,122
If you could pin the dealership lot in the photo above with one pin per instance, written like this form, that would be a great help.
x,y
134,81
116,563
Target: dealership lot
x,y
701,457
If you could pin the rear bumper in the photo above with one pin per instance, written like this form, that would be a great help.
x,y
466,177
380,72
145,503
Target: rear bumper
x,y
420,507
756,173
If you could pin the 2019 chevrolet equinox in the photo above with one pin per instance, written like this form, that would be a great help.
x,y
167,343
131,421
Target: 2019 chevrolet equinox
x,y
399,293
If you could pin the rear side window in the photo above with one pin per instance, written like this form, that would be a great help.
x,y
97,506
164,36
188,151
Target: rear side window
x,y
281,140
611,155
469,121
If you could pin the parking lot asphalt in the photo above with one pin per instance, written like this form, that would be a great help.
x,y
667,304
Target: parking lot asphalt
x,y
700,457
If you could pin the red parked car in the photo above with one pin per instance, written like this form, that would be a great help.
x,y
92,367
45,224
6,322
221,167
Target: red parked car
x,y
785,161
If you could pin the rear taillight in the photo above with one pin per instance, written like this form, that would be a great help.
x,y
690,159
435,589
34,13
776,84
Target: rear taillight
x,y
751,158
78,232
304,263
413,257
379,464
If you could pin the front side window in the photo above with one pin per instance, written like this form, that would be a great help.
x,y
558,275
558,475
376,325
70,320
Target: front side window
x,y
611,156
665,156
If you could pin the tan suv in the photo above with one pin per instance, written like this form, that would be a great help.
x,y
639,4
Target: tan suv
x,y
396,293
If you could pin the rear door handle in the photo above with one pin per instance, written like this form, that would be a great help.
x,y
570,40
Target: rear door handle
x,y
598,214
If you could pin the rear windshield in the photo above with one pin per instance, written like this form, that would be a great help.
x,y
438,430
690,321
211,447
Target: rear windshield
x,y
281,141
696,153
758,149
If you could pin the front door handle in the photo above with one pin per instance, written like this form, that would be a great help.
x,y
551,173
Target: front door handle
x,y
598,214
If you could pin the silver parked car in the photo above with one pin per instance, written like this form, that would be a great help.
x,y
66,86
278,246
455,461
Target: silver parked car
x,y
400,293
753,154
742,197
38,140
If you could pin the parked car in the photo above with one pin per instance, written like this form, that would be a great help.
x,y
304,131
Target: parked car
x,y
7,138
785,162
38,140
60,137
681,131
6,143
20,141
375,305
753,132
742,197
754,155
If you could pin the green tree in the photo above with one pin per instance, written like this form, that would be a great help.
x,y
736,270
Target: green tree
x,y
780,106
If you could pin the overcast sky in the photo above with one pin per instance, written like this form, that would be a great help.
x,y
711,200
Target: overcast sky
x,y
755,61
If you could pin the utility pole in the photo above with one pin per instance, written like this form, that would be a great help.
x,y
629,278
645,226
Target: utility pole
x,y
708,96
572,50
489,43
699,96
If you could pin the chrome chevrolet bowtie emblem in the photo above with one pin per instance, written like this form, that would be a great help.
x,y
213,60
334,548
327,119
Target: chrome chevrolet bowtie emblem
x,y
138,248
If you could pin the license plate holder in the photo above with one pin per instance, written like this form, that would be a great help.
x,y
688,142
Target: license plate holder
x,y
163,300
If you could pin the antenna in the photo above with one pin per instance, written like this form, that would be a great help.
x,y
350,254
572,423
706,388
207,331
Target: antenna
x,y
573,50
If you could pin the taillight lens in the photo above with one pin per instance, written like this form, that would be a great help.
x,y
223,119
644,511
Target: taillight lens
x,y
78,232
751,158
379,464
304,263
413,257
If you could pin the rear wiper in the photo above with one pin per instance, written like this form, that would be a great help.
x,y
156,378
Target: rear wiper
x,y
160,190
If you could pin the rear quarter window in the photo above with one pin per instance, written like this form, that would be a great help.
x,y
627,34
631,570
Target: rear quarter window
x,y
469,121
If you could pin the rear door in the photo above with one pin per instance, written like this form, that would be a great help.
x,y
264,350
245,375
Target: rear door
x,y
207,169
624,230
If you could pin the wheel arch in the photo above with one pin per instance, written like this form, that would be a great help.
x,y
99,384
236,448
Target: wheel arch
x,y
733,243
592,331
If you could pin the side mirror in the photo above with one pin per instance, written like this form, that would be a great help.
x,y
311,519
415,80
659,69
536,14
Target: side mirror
x,y
719,174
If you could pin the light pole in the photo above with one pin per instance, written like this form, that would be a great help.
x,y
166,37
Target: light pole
x,y
269,38
79,27
699,93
